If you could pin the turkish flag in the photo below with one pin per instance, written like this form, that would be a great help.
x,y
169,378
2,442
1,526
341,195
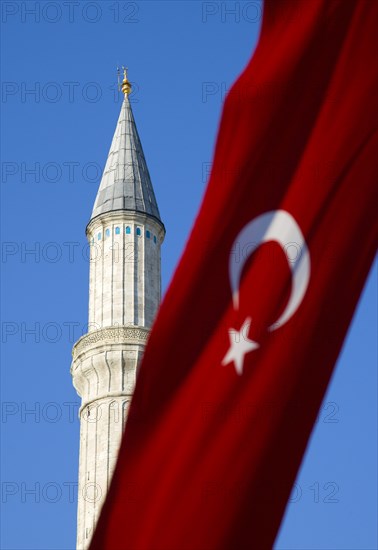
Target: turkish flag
x,y
247,337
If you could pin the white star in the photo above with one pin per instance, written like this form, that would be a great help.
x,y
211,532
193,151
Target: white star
x,y
240,345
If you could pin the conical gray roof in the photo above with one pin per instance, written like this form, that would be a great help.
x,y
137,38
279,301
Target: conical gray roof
x,y
126,182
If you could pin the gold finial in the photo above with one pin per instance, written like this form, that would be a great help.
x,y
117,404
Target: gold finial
x,y
126,85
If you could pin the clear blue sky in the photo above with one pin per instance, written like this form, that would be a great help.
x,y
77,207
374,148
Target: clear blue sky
x,y
182,57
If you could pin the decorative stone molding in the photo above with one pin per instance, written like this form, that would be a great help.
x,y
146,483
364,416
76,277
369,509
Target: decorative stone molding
x,y
114,335
123,216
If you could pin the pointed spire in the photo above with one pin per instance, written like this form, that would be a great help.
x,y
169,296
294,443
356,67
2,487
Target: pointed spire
x,y
126,182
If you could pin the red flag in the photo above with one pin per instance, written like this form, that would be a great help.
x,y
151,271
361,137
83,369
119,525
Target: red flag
x,y
248,334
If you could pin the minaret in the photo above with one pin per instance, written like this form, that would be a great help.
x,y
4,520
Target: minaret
x,y
125,233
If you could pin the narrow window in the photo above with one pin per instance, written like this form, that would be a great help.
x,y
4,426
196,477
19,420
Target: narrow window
x,y
155,239
138,231
148,234
117,231
128,230
99,236
107,233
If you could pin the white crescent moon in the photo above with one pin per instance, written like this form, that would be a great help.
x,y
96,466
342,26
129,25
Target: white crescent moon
x,y
279,226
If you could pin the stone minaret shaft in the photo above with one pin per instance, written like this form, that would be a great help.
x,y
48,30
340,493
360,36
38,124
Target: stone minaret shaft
x,y
125,233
